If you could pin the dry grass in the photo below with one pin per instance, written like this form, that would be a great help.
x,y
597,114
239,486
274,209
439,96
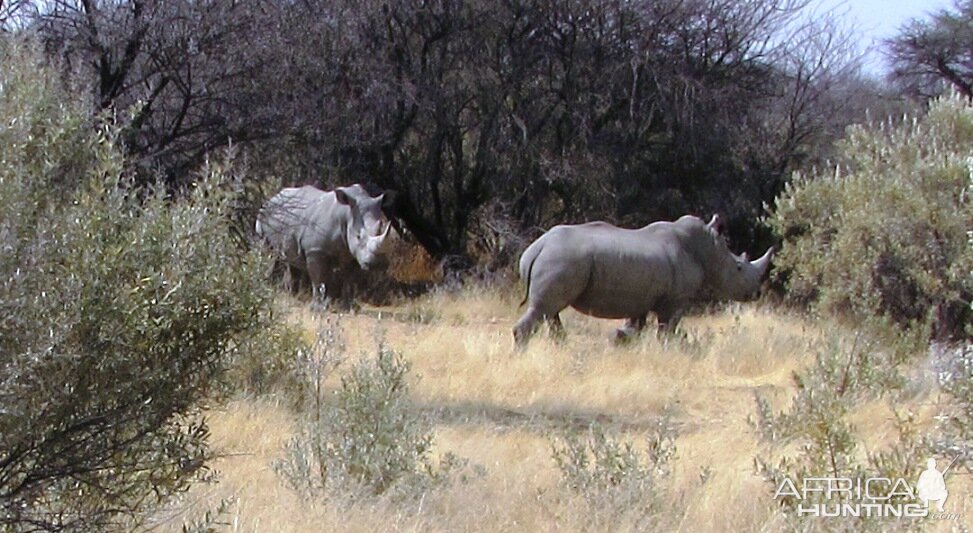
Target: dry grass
x,y
499,407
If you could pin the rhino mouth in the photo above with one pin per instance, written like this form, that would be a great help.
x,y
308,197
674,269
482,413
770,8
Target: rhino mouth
x,y
376,263
751,296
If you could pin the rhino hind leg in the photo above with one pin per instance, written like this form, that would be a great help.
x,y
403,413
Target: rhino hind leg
x,y
526,326
550,291
632,329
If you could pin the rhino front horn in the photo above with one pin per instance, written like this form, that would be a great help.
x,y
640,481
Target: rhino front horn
x,y
763,262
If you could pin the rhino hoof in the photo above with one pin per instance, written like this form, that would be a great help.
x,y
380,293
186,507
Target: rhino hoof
x,y
321,305
521,338
623,336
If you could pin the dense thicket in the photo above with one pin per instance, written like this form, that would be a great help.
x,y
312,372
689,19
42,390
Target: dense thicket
x,y
491,117
120,310
883,237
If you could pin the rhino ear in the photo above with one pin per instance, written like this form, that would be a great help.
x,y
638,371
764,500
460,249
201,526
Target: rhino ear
x,y
343,197
716,224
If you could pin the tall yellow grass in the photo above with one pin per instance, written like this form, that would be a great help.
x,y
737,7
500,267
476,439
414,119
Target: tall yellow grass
x,y
499,408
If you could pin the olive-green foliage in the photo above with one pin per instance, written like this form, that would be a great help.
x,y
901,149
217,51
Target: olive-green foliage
x,y
120,309
881,240
617,482
841,376
268,364
882,237
843,373
366,435
377,439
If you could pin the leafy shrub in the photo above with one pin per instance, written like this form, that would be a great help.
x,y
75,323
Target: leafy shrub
x,y
212,520
954,366
367,435
270,364
120,308
882,237
377,440
612,477
842,375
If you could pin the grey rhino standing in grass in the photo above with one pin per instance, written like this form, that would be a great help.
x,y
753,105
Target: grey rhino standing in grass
x,y
610,272
325,233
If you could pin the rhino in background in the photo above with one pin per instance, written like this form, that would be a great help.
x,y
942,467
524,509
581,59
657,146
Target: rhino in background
x,y
326,234
610,272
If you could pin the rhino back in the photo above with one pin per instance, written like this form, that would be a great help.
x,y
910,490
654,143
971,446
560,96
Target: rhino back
x,y
615,272
636,271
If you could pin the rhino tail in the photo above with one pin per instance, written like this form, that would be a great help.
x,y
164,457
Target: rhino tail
x,y
530,269
530,272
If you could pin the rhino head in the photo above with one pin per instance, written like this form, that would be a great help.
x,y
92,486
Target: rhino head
x,y
737,277
368,229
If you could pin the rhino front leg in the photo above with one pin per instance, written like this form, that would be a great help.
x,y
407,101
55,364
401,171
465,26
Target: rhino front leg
x,y
632,328
317,271
668,319
349,283
555,327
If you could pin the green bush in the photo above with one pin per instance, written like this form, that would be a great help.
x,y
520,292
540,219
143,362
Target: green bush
x,y
377,439
882,237
615,480
840,377
829,446
367,434
120,309
269,364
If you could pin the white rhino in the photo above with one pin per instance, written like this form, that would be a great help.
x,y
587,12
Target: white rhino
x,y
610,272
325,234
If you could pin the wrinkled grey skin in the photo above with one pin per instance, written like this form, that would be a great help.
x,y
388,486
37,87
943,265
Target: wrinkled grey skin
x,y
609,272
326,234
